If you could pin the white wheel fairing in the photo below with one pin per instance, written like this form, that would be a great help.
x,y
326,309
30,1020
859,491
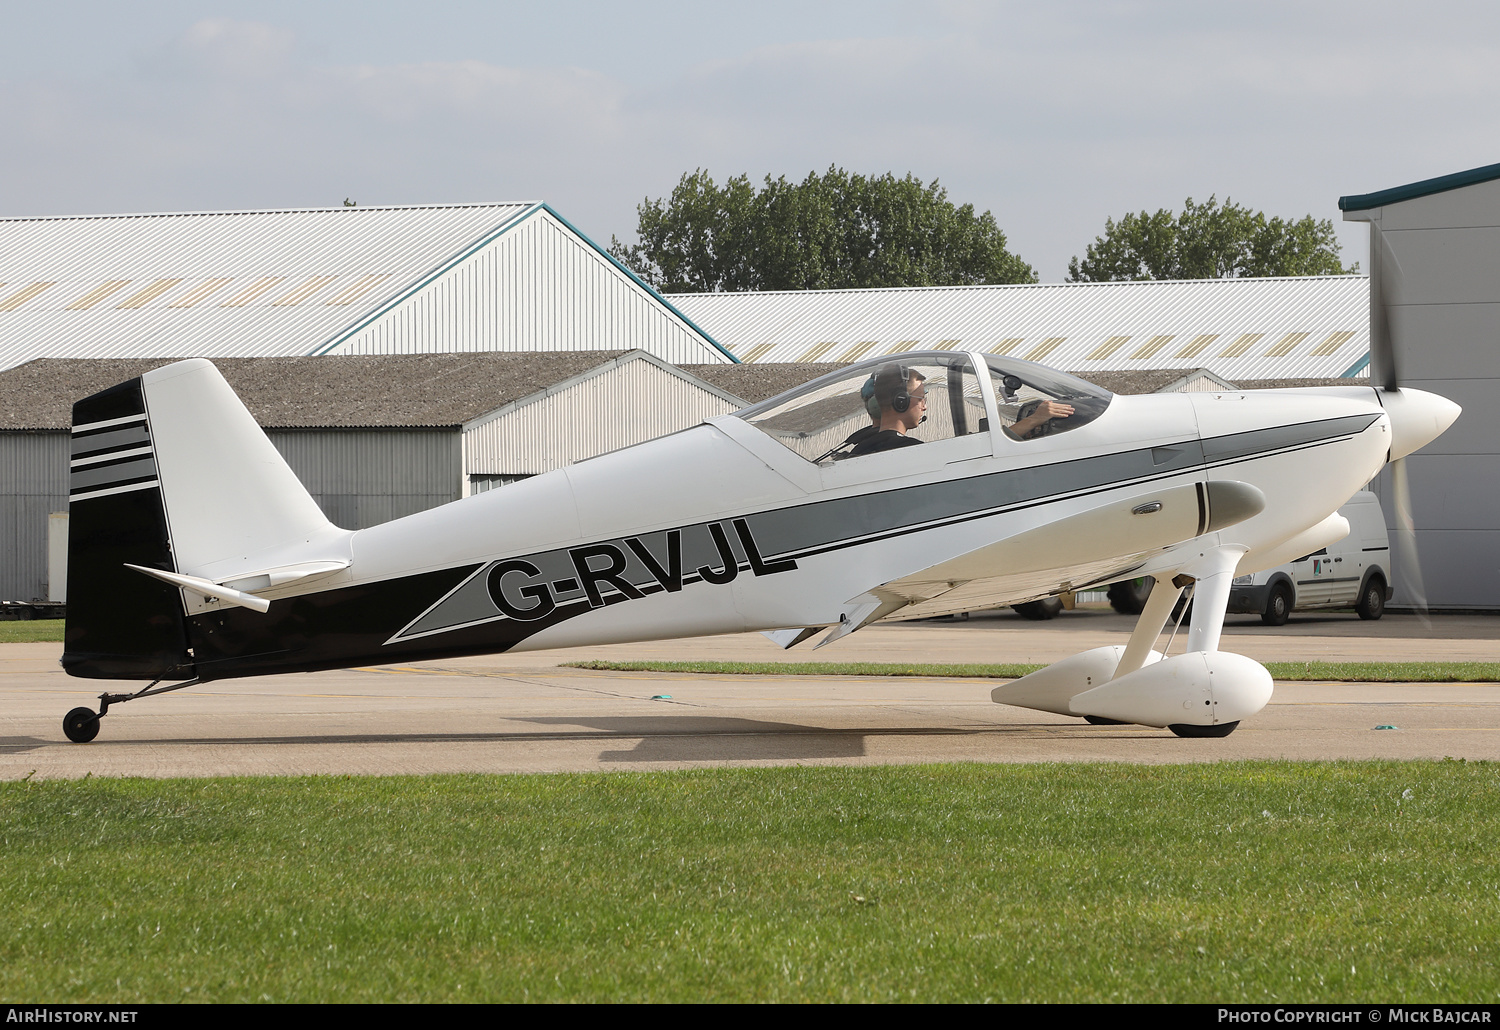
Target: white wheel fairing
x,y
1199,688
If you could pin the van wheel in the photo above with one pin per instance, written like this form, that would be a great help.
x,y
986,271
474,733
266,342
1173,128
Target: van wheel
x,y
1278,606
1372,602
1129,597
1039,611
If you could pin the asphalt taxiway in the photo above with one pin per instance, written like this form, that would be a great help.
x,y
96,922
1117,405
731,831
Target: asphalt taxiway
x,y
529,713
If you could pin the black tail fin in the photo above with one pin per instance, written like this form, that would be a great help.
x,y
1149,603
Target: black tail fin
x,y
121,624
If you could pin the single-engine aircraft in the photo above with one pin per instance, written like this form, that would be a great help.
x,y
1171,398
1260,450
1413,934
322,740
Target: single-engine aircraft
x,y
906,486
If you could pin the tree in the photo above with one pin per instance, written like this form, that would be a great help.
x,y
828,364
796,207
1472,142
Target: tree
x,y
834,231
1209,241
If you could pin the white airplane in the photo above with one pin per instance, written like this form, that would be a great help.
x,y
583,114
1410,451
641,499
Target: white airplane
x,y
197,555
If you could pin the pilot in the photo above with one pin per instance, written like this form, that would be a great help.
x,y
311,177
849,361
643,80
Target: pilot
x,y
1035,416
897,400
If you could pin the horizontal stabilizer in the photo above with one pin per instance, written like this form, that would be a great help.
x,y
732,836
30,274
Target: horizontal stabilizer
x,y
286,575
206,589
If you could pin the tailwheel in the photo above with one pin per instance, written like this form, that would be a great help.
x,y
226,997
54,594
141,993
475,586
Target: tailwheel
x,y
1223,729
1099,720
81,725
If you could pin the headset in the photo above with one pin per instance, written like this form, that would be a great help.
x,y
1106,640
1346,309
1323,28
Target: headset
x,y
900,399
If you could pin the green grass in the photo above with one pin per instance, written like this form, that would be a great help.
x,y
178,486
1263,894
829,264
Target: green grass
x,y
1363,672
31,631
1225,882
977,671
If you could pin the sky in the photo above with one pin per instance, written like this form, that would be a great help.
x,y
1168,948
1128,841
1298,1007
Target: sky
x,y
1051,116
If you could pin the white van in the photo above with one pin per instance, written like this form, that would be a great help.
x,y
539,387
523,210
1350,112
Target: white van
x,y
1353,572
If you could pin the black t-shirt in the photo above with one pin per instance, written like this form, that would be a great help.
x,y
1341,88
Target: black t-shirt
x,y
885,440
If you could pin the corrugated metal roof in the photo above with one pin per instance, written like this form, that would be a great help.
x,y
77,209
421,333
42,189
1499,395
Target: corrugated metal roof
x,y
1302,327
225,283
755,383
358,391
263,283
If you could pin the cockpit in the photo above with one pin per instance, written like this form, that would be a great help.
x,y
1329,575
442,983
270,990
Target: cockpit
x,y
900,400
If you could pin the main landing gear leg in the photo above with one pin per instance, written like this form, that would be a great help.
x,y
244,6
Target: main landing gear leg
x,y
81,725
1154,615
1148,627
1214,573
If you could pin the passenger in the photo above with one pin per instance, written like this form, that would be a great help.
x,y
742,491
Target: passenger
x,y
900,395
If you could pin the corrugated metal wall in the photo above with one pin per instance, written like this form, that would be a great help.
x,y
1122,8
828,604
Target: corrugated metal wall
x,y
359,477
362,478
537,287
34,474
631,403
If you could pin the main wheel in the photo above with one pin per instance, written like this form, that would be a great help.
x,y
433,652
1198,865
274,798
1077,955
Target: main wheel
x,y
81,725
1278,606
1372,602
1039,611
1183,729
1099,720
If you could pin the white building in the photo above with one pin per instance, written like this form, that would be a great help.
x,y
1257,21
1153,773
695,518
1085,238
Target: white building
x,y
1440,280
377,280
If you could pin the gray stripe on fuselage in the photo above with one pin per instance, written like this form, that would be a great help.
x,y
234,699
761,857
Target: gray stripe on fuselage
x,y
1256,441
809,528
814,526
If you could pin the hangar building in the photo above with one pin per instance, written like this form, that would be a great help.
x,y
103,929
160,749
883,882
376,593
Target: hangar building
x,y
1440,280
373,438
356,280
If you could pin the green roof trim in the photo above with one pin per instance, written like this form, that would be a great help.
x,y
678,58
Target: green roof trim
x,y
1427,187
1356,368
642,284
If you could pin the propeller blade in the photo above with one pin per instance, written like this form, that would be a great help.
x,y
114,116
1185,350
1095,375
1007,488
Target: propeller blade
x,y
1409,568
1383,265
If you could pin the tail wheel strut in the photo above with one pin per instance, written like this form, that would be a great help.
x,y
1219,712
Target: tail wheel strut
x,y
81,725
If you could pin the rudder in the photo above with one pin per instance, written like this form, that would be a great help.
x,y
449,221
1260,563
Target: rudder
x,y
120,624
171,472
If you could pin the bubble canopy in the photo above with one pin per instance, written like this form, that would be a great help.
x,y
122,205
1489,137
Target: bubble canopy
x,y
900,400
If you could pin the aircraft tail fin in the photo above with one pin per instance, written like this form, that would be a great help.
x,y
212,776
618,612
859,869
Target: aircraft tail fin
x,y
169,472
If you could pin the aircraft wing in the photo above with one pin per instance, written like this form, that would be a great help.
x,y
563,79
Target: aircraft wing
x,y
1086,547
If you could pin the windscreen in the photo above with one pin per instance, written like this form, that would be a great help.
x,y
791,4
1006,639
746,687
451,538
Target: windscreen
x,y
1037,401
876,406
